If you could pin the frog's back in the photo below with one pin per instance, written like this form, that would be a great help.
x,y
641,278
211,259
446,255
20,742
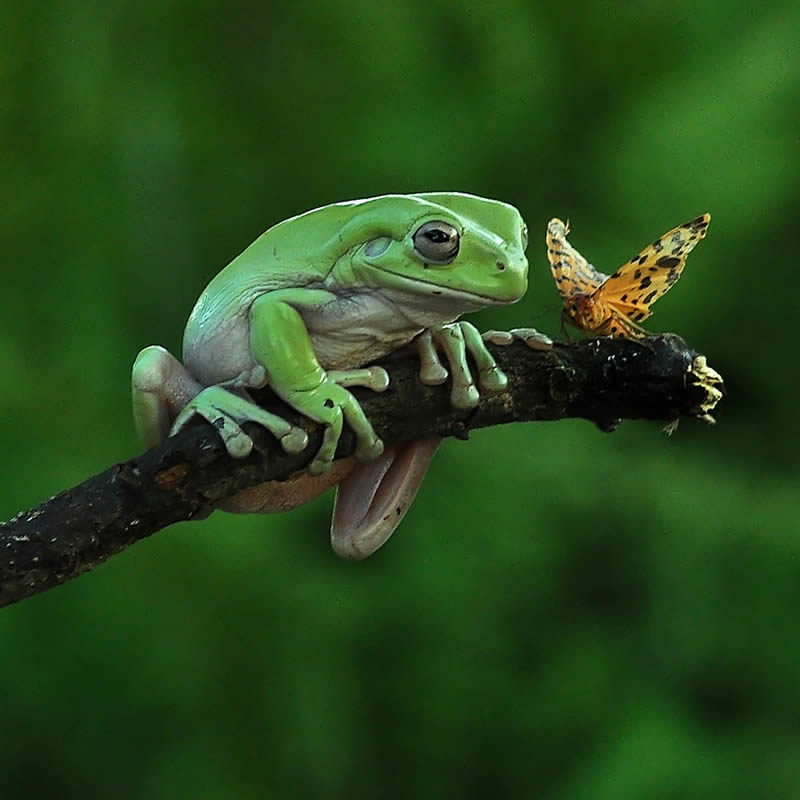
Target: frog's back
x,y
297,252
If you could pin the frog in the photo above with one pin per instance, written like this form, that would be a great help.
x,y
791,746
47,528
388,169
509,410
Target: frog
x,y
307,309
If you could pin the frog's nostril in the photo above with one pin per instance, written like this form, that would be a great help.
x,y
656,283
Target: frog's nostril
x,y
501,266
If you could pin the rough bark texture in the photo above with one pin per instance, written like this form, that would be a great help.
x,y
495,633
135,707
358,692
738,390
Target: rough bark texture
x,y
603,380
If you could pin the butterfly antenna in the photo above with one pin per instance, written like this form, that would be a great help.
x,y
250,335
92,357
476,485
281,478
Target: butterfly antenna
x,y
547,310
564,329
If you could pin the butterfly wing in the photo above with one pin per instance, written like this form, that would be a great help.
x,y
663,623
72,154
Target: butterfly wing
x,y
634,287
572,272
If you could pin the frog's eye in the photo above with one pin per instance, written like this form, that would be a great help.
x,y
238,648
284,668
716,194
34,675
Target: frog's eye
x,y
524,236
437,241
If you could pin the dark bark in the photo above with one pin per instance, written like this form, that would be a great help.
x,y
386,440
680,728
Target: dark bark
x,y
603,380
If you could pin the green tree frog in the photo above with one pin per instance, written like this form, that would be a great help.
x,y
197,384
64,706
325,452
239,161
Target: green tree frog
x,y
311,302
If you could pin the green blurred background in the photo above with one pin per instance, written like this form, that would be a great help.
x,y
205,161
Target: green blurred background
x,y
563,614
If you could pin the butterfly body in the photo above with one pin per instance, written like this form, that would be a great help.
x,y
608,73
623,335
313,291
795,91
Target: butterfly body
x,y
587,313
614,305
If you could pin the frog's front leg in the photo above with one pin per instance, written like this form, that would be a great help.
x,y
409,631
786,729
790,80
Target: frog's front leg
x,y
280,341
456,340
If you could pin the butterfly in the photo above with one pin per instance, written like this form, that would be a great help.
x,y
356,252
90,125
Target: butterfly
x,y
614,305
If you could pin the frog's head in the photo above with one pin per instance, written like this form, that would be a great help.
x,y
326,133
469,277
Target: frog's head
x,y
448,245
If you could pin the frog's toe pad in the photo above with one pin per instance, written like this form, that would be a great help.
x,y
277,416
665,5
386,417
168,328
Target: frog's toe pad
x,y
497,337
295,441
319,466
236,441
379,381
532,338
433,373
368,450
493,379
464,397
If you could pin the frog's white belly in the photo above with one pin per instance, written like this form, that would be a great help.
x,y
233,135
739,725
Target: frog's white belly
x,y
352,329
355,329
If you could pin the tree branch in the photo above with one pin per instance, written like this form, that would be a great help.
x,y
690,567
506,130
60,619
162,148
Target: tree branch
x,y
603,380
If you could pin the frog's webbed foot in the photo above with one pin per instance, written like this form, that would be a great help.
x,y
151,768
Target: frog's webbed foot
x,y
456,340
227,412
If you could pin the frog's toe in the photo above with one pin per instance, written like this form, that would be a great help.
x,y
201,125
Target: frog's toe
x,y
295,441
236,441
497,337
227,412
493,379
182,420
379,380
464,396
319,466
368,449
330,439
532,338
375,378
431,370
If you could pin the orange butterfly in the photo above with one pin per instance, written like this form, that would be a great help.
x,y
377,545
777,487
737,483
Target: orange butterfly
x,y
603,305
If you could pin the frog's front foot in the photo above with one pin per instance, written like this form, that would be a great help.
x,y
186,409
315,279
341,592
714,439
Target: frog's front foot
x,y
227,412
456,340
531,337
332,405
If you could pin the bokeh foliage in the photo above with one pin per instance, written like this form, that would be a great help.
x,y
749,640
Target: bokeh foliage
x,y
563,614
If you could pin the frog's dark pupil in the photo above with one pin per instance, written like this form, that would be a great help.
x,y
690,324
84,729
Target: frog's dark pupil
x,y
437,242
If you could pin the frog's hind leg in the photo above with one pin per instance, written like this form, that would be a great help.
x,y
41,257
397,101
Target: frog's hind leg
x,y
373,499
160,387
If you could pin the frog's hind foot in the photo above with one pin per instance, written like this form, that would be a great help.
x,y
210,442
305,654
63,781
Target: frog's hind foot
x,y
160,388
227,412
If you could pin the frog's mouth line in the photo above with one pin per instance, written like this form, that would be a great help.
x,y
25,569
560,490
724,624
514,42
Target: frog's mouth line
x,y
404,283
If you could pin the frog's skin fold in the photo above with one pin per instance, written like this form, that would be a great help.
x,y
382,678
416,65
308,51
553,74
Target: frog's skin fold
x,y
305,308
